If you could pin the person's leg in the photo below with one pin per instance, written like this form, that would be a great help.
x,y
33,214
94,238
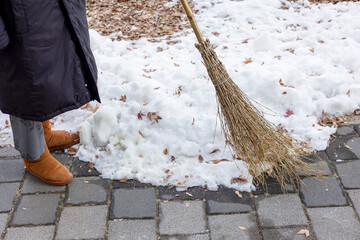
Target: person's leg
x,y
29,140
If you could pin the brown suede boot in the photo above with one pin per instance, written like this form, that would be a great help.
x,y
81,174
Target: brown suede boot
x,y
59,139
49,170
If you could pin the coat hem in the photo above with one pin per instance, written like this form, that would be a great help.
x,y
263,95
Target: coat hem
x,y
45,116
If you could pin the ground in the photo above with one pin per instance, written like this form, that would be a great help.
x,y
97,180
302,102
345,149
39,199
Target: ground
x,y
90,207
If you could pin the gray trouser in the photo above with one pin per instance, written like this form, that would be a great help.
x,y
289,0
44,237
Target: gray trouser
x,y
29,137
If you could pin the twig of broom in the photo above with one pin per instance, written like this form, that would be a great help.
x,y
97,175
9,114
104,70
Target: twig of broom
x,y
253,139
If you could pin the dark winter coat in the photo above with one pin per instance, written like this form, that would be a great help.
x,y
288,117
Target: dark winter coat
x,y
48,67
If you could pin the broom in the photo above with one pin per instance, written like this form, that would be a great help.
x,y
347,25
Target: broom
x,y
253,139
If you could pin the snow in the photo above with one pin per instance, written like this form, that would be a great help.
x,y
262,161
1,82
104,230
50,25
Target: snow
x,y
313,49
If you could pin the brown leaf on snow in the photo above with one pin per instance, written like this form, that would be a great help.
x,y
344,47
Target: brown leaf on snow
x,y
153,116
304,232
238,179
201,159
248,60
165,151
182,184
215,150
348,93
290,50
216,33
219,161
141,134
283,85
123,98
172,159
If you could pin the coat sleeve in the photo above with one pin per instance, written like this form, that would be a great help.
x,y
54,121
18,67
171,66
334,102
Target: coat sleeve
x,y
4,38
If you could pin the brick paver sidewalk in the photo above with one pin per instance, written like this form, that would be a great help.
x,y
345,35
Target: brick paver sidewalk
x,y
94,208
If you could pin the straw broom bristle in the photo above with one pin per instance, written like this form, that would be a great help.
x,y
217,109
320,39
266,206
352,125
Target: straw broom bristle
x,y
251,136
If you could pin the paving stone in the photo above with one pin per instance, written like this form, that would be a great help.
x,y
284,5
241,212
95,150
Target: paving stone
x,y
337,223
7,195
349,173
171,194
7,152
345,130
132,229
273,187
91,190
344,148
34,185
130,184
133,203
31,210
3,220
82,222
355,198
226,201
285,234
357,128
62,157
11,170
321,192
280,211
187,237
187,217
227,227
81,169
30,233
319,162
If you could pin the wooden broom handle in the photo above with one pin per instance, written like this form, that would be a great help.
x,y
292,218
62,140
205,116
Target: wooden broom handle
x,y
192,20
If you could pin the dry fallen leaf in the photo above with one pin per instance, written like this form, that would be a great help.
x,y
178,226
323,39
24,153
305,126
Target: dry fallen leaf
x,y
201,159
219,161
90,164
153,116
189,194
166,151
348,93
238,194
248,60
304,232
242,228
123,98
214,151
141,134
238,179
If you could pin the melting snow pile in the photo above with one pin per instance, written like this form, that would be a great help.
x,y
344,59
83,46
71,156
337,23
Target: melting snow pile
x,y
158,118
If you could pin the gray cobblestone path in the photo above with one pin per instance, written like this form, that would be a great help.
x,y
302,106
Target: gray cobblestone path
x,y
91,207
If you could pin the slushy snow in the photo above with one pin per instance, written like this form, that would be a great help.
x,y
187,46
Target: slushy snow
x,y
302,60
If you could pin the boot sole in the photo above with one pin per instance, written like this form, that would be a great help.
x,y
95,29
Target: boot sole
x,y
50,182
